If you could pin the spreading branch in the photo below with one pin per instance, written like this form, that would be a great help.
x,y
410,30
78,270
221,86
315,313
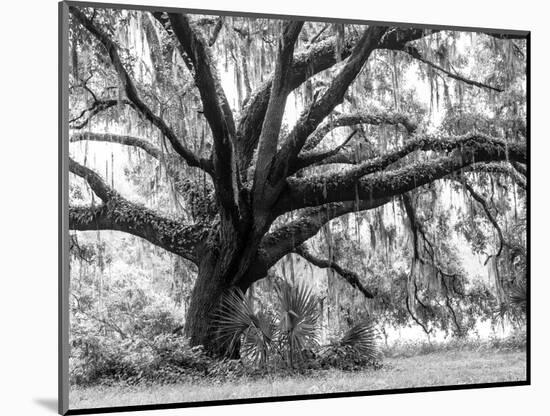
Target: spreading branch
x,y
96,182
215,105
217,112
476,196
318,57
280,88
415,53
119,214
347,156
356,118
216,31
320,108
363,155
416,230
132,93
199,196
98,106
351,185
311,158
120,139
349,276
284,239
502,168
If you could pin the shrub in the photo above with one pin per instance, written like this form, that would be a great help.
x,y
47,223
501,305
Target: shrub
x,y
357,349
514,342
227,369
344,357
363,339
238,325
166,358
259,335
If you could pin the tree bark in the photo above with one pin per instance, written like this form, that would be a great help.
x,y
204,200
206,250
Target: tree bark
x,y
205,297
216,275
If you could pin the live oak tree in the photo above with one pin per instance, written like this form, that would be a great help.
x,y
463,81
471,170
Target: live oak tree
x,y
257,190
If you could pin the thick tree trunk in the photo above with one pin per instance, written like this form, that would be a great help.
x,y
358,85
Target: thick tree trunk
x,y
205,297
211,283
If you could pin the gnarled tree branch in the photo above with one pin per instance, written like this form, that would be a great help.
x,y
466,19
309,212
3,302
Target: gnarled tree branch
x,y
350,185
216,31
320,108
96,182
217,112
120,139
311,158
500,168
476,196
356,118
280,89
349,276
284,239
415,53
97,107
318,57
119,214
132,93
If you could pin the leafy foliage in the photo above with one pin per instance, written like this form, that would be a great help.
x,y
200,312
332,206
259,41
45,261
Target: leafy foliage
x,y
293,329
345,357
298,316
293,334
164,359
238,325
518,296
363,338
516,341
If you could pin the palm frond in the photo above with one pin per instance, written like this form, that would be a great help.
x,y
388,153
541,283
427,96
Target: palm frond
x,y
514,309
518,296
363,338
298,317
257,339
236,322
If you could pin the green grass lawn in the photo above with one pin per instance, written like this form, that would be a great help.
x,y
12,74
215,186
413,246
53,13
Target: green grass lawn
x,y
434,369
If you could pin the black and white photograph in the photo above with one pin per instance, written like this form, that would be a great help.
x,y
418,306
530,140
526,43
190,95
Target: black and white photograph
x,y
264,207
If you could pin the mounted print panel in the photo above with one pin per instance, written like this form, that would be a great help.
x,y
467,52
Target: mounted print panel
x,y
263,208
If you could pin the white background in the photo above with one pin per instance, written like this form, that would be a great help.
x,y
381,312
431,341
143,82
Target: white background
x,y
28,205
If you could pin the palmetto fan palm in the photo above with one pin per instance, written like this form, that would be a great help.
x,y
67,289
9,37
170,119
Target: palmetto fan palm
x,y
258,339
518,296
294,328
516,305
298,316
363,338
236,322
